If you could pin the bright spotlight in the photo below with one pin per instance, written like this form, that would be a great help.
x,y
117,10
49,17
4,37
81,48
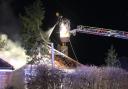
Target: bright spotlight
x,y
64,30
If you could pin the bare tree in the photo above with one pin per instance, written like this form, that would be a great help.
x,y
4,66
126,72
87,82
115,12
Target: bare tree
x,y
45,78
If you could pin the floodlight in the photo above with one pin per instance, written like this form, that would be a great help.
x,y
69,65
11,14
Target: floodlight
x,y
64,30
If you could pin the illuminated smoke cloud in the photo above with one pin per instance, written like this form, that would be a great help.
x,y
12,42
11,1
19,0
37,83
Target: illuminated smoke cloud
x,y
13,53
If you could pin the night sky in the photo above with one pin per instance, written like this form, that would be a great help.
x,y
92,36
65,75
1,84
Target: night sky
x,y
90,49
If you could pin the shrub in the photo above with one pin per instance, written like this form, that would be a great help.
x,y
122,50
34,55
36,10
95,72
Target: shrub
x,y
87,77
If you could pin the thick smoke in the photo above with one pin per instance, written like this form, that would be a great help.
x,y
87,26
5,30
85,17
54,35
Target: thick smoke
x,y
13,53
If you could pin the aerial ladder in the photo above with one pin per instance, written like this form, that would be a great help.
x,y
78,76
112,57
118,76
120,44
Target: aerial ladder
x,y
100,32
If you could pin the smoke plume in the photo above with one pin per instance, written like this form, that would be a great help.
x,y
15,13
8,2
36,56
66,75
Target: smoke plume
x,y
13,53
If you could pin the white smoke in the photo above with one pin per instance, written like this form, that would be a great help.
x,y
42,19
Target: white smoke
x,y
13,53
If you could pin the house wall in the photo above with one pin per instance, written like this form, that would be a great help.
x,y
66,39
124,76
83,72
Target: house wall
x,y
18,77
5,78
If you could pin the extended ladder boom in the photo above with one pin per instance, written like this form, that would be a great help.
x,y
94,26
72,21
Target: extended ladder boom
x,y
100,31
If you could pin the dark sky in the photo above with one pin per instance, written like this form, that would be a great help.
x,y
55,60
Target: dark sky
x,y
89,49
